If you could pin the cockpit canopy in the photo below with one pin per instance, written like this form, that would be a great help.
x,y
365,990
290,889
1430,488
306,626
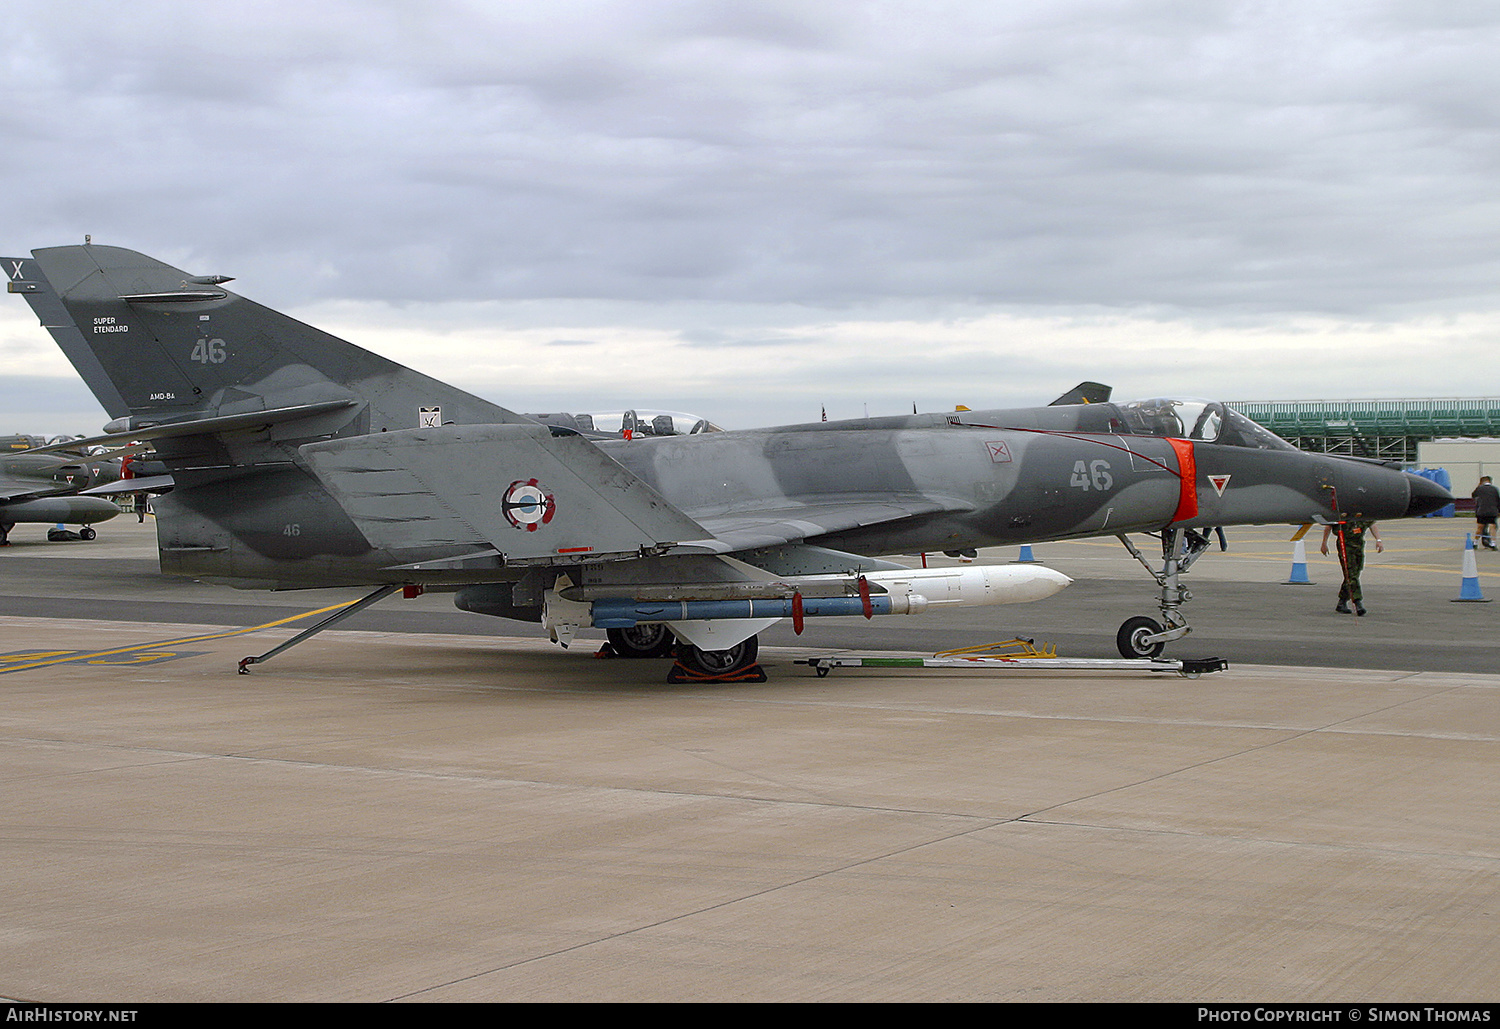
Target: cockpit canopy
x,y
629,424
1206,421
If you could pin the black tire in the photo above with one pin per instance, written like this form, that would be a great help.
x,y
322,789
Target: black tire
x,y
1131,638
719,662
649,639
87,532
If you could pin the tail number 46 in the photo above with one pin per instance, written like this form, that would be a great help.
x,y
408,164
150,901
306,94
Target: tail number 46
x,y
1094,475
208,351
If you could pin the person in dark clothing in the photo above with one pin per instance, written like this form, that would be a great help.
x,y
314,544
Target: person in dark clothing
x,y
1486,510
1351,547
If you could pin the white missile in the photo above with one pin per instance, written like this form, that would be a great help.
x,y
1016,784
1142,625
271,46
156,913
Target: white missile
x,y
905,592
909,591
973,585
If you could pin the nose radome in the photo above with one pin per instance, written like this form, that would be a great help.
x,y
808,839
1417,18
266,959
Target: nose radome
x,y
1426,496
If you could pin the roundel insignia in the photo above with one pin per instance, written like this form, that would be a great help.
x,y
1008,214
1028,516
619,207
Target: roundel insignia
x,y
528,505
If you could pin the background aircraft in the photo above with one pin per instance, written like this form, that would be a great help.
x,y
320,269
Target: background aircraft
x,y
628,424
39,482
300,460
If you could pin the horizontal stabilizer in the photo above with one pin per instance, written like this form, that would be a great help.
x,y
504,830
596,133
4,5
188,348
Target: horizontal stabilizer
x,y
532,496
125,487
248,420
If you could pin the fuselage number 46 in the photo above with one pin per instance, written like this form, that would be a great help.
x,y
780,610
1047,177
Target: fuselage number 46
x,y
1094,475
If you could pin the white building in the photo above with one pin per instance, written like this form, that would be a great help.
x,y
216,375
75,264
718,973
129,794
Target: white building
x,y
1465,459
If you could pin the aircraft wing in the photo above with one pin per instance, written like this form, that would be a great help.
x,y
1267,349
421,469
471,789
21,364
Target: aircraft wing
x,y
520,491
808,518
12,489
496,486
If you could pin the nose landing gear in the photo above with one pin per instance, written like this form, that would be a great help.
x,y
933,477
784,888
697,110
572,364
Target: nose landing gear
x,y
1146,637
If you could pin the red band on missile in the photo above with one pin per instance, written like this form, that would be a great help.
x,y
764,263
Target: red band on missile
x,y
864,597
797,618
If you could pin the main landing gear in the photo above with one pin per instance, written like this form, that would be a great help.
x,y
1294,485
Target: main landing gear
x,y
1146,637
655,640
719,663
648,639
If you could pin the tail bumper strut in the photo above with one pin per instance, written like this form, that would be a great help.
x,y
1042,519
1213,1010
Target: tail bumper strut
x,y
337,616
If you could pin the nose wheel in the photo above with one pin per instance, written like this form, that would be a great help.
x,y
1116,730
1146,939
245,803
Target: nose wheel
x,y
1146,637
1136,636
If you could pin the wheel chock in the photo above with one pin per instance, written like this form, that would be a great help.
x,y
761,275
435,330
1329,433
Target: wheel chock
x,y
682,673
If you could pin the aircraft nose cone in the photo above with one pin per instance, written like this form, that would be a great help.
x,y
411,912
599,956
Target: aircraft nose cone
x,y
1426,497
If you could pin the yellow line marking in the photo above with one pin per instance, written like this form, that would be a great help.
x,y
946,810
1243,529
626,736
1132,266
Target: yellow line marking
x,y
142,658
93,658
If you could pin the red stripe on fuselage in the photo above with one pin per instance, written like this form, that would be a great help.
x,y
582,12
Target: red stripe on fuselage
x,y
1187,471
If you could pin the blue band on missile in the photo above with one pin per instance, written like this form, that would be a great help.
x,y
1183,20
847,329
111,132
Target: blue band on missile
x,y
624,613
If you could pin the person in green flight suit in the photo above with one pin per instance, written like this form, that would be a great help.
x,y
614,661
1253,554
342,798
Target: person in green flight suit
x,y
1351,546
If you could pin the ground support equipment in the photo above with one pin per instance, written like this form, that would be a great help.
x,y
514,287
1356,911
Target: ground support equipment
x,y
1019,654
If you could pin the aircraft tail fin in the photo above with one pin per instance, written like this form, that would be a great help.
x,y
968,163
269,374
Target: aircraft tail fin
x,y
157,345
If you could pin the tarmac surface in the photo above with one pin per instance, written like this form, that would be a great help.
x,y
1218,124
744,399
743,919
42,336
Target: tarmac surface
x,y
425,805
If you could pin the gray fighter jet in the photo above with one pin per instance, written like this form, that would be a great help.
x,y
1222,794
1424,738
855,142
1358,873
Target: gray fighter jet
x,y
300,460
40,482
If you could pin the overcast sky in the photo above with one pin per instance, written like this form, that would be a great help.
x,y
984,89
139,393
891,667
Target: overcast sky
x,y
751,210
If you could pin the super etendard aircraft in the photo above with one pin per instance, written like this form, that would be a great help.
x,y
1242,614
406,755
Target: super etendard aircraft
x,y
300,460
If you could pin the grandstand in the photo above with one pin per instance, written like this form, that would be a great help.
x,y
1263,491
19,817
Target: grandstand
x,y
1385,429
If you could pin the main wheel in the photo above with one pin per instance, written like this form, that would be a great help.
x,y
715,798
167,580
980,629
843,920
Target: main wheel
x,y
719,662
1131,639
87,532
649,639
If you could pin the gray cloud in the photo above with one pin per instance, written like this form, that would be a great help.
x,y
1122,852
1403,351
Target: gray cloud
x,y
1328,157
1227,163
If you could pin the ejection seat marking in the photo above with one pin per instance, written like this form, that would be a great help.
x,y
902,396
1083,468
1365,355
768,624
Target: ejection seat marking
x,y
25,660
